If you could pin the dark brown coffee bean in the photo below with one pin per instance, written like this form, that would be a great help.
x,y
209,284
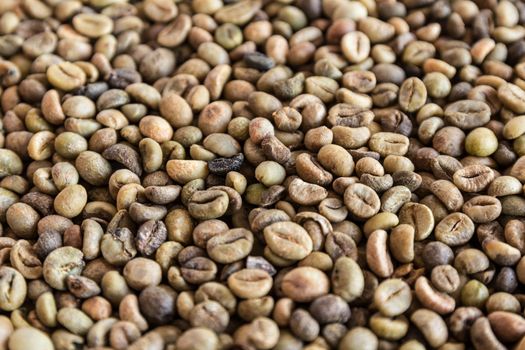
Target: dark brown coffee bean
x,y
157,303
258,61
222,166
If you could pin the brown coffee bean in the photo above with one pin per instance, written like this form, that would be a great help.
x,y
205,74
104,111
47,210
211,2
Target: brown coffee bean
x,y
401,243
467,114
304,284
124,155
150,236
501,253
392,297
482,209
512,96
448,193
230,246
432,299
361,201
377,255
473,178
355,46
455,229
445,278
288,240
15,286
157,304
339,309
412,95
61,263
250,283
208,204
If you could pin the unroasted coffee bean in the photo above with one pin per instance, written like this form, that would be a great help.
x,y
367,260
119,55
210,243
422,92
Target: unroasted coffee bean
x,y
467,114
250,283
432,299
412,95
431,325
150,236
448,194
455,229
222,166
82,287
377,255
118,247
15,287
361,201
392,297
305,193
355,46
230,246
124,155
329,309
209,314
482,209
304,284
157,303
61,263
208,204
386,143
288,240
445,278
473,178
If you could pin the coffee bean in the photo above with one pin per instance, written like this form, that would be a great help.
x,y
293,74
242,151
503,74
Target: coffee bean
x,y
288,240
222,166
157,303
432,299
361,201
340,311
304,284
14,284
66,76
412,95
61,263
431,325
250,283
355,46
150,236
455,229
473,178
29,337
258,61
467,114
208,204
230,246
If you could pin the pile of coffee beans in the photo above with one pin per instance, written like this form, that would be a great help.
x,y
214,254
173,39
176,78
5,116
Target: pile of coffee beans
x,y
256,175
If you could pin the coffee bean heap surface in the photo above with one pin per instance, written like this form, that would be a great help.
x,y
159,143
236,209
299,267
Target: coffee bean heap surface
x,y
257,175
